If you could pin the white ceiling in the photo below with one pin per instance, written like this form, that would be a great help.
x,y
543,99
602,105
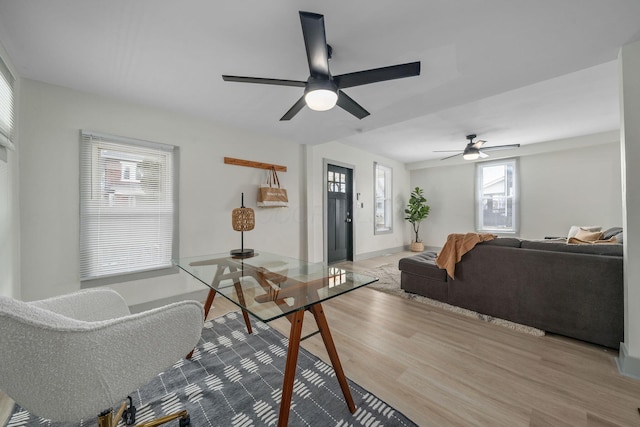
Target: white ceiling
x,y
511,71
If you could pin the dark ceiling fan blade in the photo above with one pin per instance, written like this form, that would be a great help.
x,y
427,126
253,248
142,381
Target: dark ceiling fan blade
x,y
315,40
351,106
375,75
260,80
500,147
294,110
449,157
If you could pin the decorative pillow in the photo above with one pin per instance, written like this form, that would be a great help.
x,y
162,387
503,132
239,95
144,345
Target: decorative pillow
x,y
575,228
619,238
611,232
587,235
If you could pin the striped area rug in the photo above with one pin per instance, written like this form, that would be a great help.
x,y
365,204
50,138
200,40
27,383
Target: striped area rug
x,y
235,379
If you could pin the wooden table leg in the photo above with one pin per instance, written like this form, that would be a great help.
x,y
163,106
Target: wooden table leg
x,y
245,314
323,326
290,367
207,304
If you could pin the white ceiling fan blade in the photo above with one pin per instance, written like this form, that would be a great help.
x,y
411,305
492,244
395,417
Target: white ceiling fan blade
x,y
455,155
483,155
478,143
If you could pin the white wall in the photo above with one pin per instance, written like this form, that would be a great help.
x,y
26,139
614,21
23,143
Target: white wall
x,y
9,207
449,192
573,187
557,189
51,118
629,67
366,243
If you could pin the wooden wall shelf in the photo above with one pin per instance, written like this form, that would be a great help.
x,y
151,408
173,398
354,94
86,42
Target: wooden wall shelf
x,y
251,164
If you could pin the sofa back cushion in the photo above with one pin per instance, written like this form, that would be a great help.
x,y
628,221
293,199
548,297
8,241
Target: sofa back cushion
x,y
595,249
510,242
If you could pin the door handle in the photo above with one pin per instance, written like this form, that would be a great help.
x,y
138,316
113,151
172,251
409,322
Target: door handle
x,y
348,217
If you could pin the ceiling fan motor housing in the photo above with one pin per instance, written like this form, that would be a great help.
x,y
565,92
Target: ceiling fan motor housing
x,y
314,83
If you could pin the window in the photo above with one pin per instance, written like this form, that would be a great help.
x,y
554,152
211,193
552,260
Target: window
x,y
336,182
129,172
496,196
383,198
128,208
6,106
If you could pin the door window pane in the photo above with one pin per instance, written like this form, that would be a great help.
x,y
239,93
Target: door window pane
x,y
336,182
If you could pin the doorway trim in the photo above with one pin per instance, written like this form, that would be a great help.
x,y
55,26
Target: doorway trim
x,y
325,203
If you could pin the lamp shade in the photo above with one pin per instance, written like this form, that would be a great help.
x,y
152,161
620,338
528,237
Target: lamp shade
x,y
243,219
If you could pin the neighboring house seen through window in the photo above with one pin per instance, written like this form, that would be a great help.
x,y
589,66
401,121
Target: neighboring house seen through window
x,y
497,196
128,208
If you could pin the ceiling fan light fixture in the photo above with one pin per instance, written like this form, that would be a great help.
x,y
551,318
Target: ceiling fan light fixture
x,y
471,154
320,94
321,99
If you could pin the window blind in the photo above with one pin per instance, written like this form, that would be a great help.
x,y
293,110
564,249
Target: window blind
x,y
128,209
6,106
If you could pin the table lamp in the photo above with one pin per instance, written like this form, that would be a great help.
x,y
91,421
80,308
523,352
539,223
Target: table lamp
x,y
242,219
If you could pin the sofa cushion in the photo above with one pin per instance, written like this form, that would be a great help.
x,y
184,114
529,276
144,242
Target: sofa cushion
x,y
423,264
601,249
511,242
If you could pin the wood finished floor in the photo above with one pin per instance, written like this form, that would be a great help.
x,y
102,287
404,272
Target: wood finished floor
x,y
444,369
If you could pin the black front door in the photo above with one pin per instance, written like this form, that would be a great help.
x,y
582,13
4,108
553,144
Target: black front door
x,y
339,214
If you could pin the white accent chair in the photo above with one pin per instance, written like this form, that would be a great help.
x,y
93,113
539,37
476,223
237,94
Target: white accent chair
x,y
70,357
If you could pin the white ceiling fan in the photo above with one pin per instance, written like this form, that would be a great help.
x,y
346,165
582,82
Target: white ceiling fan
x,y
474,150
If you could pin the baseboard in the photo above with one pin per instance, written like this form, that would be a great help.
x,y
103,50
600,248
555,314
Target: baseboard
x,y
627,365
382,252
200,295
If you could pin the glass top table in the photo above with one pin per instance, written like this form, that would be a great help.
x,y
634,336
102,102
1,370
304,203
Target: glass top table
x,y
269,286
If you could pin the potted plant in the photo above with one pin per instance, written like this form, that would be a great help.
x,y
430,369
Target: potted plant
x,y
417,210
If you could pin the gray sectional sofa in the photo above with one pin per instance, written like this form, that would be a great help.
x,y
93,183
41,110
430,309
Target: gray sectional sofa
x,y
570,290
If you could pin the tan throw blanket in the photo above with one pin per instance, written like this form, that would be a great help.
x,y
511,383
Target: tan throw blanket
x,y
576,241
456,246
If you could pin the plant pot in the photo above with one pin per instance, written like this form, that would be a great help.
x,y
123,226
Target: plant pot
x,y
417,247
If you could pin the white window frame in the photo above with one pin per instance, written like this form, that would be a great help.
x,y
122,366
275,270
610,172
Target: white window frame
x,y
383,194
7,106
129,233
131,169
509,200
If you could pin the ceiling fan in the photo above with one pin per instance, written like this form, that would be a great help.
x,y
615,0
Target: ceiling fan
x,y
474,150
322,91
